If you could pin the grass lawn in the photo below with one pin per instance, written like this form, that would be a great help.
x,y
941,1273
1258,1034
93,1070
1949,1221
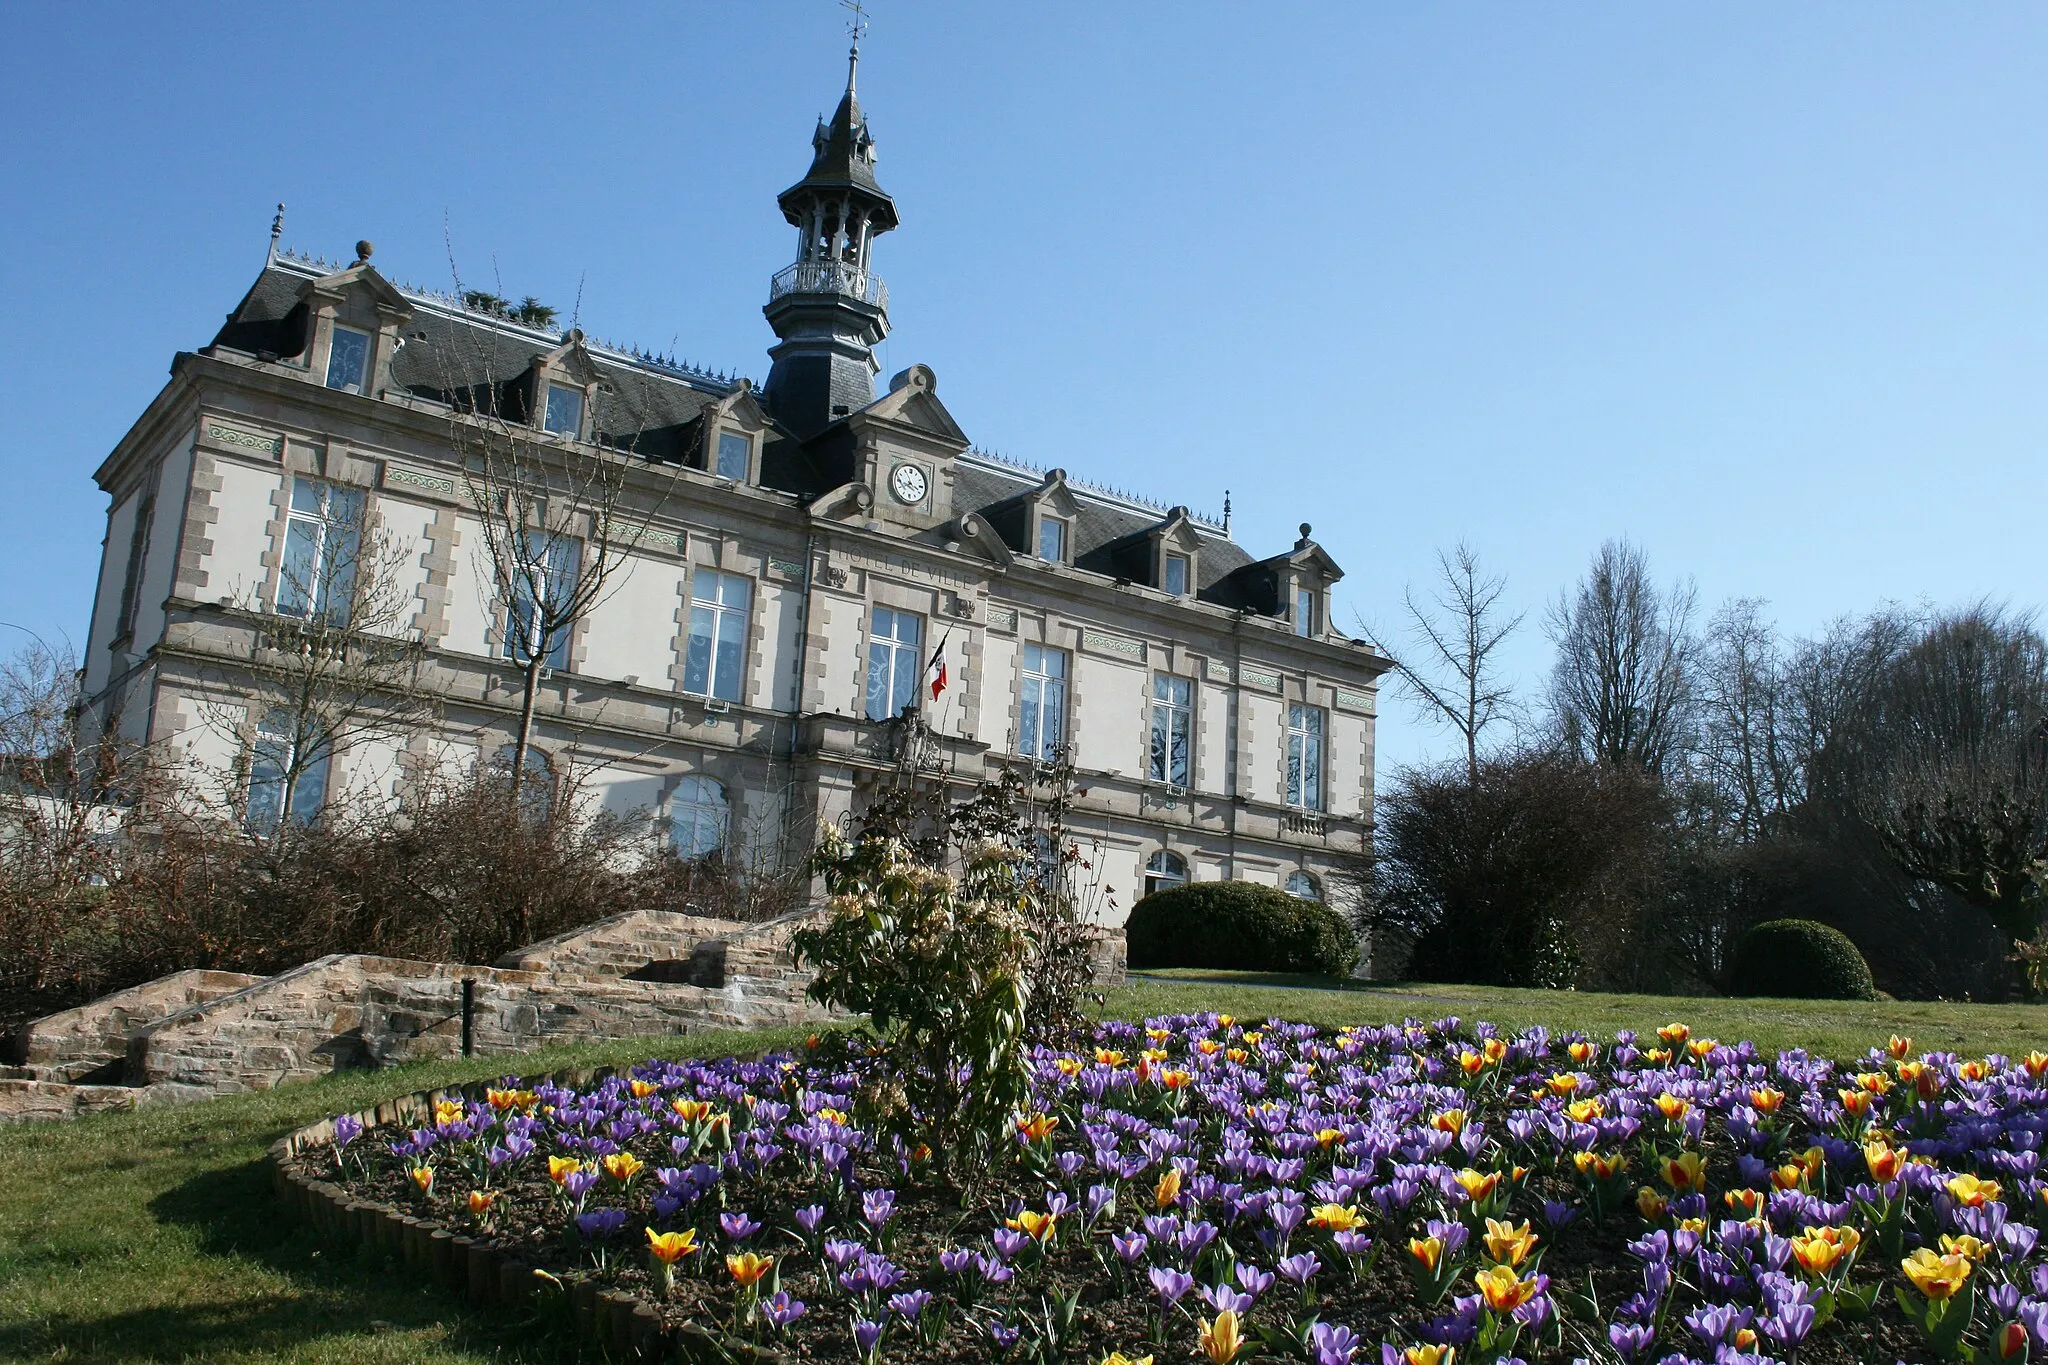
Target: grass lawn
x,y
153,1237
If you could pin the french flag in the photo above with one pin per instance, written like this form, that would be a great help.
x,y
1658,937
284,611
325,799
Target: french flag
x,y
935,671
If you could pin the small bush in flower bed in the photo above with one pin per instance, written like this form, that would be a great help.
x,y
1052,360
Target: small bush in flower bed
x,y
1202,1189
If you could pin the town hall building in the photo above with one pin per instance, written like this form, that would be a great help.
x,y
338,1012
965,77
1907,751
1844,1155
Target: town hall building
x,y
813,553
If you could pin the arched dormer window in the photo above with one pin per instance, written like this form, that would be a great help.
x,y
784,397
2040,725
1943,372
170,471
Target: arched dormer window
x,y
1164,870
1304,886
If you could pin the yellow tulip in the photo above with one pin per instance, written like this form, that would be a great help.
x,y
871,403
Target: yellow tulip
x,y
1684,1172
1504,1290
1599,1167
1898,1047
1429,1355
1451,1121
1108,1057
690,1111
1563,1083
1745,1202
1584,1111
1884,1162
622,1166
1966,1246
1119,1358
670,1247
1167,1192
1766,1100
748,1267
1069,1066
1672,1107
1936,1277
422,1176
560,1168
1428,1250
642,1089
1336,1217
2036,1063
1036,1127
1037,1226
1508,1244
1222,1339
1477,1184
1581,1052
481,1201
1674,1034
1819,1249
1326,1138
1176,1079
1972,1192
446,1112
1650,1204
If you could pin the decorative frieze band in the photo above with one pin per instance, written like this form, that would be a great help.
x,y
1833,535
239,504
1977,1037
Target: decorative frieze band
x,y
1219,671
1002,618
243,440
398,476
1106,643
1353,701
1258,677
788,568
655,538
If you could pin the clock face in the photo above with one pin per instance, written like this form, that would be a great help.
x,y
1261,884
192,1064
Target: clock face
x,y
906,481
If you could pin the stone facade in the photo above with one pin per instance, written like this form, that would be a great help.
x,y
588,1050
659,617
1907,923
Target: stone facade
x,y
831,513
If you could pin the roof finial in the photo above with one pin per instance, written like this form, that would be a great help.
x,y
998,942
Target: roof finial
x,y
276,231
1226,511
856,29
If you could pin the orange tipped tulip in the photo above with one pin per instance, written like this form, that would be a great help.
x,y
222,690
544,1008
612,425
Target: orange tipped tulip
x,y
748,1267
1970,1191
1222,1338
670,1247
1428,1250
1167,1192
1936,1277
1504,1290
1508,1244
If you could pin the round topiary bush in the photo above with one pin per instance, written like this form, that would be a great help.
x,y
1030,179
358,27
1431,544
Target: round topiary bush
x,y
1238,925
1802,959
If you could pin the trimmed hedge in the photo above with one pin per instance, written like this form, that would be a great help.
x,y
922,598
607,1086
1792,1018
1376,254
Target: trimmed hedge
x,y
1238,926
1800,959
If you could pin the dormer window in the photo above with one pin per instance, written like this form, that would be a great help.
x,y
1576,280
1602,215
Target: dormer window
x,y
735,452
564,412
1306,605
1052,540
348,359
1174,575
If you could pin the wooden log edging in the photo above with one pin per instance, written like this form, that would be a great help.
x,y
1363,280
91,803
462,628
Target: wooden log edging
x,y
616,1323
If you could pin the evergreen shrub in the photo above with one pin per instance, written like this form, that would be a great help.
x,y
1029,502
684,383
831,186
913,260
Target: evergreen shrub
x,y
1801,959
1241,926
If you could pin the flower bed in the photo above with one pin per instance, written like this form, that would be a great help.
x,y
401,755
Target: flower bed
x,y
1199,1189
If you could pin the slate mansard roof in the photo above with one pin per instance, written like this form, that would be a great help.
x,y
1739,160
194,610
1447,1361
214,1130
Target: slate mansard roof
x,y
654,409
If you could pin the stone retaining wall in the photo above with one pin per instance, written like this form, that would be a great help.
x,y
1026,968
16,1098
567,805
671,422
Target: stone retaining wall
x,y
349,1011
73,1043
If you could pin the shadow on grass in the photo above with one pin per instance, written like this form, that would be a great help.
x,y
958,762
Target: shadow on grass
x,y
1293,981
342,1291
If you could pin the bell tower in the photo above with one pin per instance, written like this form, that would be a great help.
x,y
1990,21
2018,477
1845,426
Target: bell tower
x,y
828,307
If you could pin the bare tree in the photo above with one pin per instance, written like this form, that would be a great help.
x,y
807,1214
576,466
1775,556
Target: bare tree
x,y
335,656
1945,758
1452,676
1623,687
1744,747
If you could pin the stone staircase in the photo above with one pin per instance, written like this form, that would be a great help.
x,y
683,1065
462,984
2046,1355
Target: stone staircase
x,y
193,1034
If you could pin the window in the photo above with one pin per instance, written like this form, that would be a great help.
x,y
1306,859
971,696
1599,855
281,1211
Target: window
x,y
1305,757
734,453
1048,866
1304,611
1165,870
1042,712
698,816
1173,717
348,359
550,566
138,555
716,655
323,537
1052,540
537,787
564,414
1303,885
276,792
893,638
1175,578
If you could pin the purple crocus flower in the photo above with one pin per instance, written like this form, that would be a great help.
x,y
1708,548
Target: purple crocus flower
x,y
737,1225
780,1309
1223,1298
810,1217
1299,1269
347,1128
1333,1345
1171,1285
1008,1242
910,1306
600,1223
1253,1280
1630,1339
878,1207
993,1270
1003,1335
1130,1249
955,1260
577,1183
866,1335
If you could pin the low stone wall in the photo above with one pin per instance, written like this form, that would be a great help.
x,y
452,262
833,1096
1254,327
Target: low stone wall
x,y
26,1100
350,1011
1108,959
622,944
74,1043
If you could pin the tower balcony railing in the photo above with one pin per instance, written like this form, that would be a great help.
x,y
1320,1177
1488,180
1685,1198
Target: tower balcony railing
x,y
830,277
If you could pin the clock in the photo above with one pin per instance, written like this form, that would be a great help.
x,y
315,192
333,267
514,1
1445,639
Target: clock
x,y
907,482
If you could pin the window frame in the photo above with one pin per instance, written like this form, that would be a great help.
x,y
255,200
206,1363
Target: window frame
x,y
138,564
1303,877
901,685
1158,762
361,383
745,448
1034,687
704,814
273,749
723,618
321,525
1307,756
1160,877
547,408
1062,529
554,575
1308,606
1167,561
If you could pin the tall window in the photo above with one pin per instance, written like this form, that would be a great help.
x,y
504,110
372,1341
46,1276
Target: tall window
x,y
1052,540
1305,611
698,816
348,358
550,565
138,556
1305,757
716,655
276,793
734,450
893,662
1173,716
323,537
1042,712
564,414
1303,885
1165,870
1176,575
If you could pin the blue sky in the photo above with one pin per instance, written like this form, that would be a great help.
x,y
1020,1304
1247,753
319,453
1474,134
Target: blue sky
x,y
1763,287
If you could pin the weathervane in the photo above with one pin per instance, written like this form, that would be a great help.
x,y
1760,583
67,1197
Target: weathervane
x,y
857,26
